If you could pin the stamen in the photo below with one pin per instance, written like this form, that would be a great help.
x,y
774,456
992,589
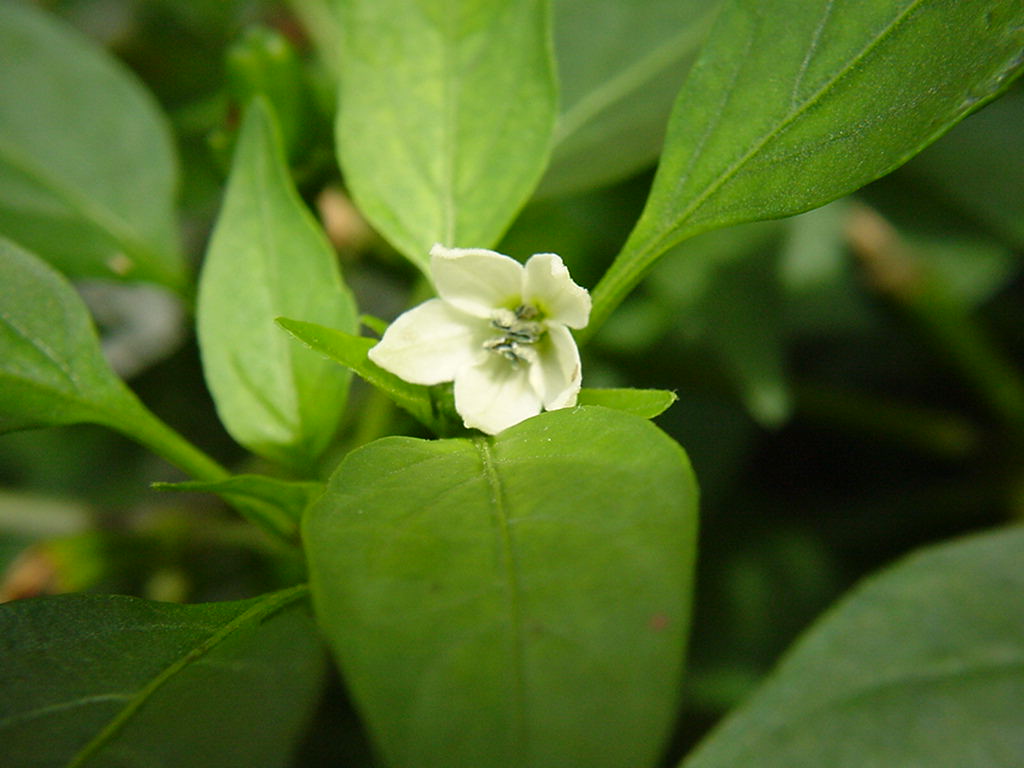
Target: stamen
x,y
518,333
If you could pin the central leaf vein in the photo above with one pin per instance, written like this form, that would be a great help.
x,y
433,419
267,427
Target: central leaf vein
x,y
518,731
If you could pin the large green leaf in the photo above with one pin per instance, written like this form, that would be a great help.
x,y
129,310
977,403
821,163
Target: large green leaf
x,y
796,102
267,258
920,667
620,66
52,371
87,166
513,601
445,115
117,681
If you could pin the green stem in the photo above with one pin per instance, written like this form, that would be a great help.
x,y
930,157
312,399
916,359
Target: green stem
x,y
146,428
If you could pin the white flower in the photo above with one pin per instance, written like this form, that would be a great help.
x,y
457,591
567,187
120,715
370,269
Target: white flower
x,y
499,330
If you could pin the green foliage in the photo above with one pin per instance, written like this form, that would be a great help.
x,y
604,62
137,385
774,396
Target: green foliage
x,y
848,383
645,403
445,116
350,351
273,504
620,66
102,681
920,666
52,369
267,257
793,104
567,545
87,165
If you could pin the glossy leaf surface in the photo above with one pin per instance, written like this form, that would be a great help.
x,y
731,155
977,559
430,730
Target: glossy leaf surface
x,y
921,666
445,116
87,167
527,594
268,257
793,104
115,681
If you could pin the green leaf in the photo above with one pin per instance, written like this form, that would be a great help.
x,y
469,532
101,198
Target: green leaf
x,y
116,681
445,116
350,350
645,403
268,257
620,66
920,667
513,601
52,370
272,503
794,103
87,165
51,366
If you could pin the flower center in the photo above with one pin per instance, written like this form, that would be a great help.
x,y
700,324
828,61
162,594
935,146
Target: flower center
x,y
519,331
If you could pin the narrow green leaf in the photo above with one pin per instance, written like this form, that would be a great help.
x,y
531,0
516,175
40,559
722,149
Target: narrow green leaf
x,y
268,257
620,66
420,402
87,165
795,103
920,667
445,116
645,403
513,601
272,503
112,681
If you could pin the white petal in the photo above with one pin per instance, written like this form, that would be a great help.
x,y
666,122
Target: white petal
x,y
475,280
547,286
494,395
556,376
429,343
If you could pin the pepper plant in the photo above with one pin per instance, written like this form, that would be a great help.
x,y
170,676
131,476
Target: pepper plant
x,y
458,525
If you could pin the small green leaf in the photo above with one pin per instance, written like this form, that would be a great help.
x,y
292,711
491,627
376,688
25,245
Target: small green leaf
x,y
445,116
271,503
97,681
513,601
620,66
87,166
920,667
268,257
420,402
794,103
645,403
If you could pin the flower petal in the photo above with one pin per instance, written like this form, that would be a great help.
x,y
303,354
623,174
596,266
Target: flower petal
x,y
547,286
475,280
556,376
429,343
493,395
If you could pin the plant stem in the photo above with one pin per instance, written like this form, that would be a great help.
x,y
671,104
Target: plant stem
x,y
147,429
